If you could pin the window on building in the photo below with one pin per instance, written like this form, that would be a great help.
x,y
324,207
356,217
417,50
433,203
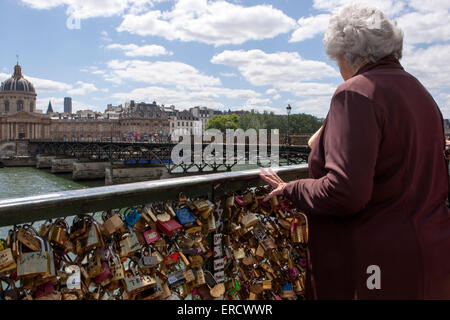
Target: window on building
x,y
31,106
6,106
19,105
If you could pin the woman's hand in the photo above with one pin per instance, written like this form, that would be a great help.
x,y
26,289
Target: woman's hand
x,y
274,180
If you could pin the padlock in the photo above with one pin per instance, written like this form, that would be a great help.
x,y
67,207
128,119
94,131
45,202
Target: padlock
x,y
58,232
129,244
199,277
182,199
44,289
45,228
28,236
79,226
287,291
116,267
175,279
95,266
189,276
92,239
112,222
211,225
131,216
36,262
6,258
185,217
151,236
104,274
147,260
169,227
249,220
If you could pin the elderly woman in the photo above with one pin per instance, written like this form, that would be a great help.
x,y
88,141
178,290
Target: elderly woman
x,y
379,226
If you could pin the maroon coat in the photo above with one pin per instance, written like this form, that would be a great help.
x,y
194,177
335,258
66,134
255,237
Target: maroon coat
x,y
378,190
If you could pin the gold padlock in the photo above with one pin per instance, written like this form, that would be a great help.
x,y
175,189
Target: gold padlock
x,y
57,232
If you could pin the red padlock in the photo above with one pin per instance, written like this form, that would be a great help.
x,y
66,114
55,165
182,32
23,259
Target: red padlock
x,y
171,258
169,228
102,276
44,289
240,201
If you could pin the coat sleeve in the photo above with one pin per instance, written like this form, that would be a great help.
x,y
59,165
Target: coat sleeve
x,y
351,139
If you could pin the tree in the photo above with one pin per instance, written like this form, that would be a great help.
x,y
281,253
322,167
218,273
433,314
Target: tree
x,y
223,122
298,123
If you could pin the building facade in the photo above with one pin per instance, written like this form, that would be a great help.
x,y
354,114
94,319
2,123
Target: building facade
x,y
68,105
185,123
203,114
19,118
84,129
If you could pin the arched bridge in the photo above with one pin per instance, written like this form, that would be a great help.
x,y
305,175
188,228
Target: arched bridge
x,y
160,154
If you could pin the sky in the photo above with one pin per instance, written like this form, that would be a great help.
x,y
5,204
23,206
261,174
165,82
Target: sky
x,y
233,54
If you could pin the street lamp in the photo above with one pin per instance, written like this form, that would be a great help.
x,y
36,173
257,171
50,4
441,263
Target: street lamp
x,y
288,110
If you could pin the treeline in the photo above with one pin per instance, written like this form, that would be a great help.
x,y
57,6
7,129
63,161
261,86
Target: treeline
x,y
298,123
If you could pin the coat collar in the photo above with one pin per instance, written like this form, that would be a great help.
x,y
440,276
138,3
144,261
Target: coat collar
x,y
389,62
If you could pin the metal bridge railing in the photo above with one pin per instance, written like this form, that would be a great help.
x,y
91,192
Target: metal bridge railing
x,y
68,203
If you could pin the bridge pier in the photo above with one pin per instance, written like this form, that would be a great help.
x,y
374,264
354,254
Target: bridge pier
x,y
62,165
119,175
89,170
44,162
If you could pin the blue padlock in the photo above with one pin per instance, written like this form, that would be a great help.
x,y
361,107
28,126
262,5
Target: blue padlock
x,y
287,286
132,216
185,216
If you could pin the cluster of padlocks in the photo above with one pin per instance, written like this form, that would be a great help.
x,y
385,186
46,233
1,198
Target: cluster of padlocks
x,y
241,248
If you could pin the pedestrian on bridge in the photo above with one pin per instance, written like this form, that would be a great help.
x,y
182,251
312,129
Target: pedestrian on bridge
x,y
379,225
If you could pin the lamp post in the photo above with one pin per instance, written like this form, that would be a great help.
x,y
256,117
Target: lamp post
x,y
288,110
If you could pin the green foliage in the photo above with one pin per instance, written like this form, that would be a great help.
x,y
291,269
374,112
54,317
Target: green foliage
x,y
298,123
223,122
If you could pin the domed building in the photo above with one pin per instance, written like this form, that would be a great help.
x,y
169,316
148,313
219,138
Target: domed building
x,y
17,94
18,116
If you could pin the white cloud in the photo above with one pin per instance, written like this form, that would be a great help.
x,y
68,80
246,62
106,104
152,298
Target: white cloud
x,y
211,22
132,50
228,74
160,73
83,88
46,86
430,5
309,27
430,66
84,9
261,68
260,105
42,85
425,27
317,106
93,70
309,89
390,7
104,36
186,98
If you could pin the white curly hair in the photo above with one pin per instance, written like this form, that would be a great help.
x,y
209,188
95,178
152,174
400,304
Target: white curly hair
x,y
363,34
